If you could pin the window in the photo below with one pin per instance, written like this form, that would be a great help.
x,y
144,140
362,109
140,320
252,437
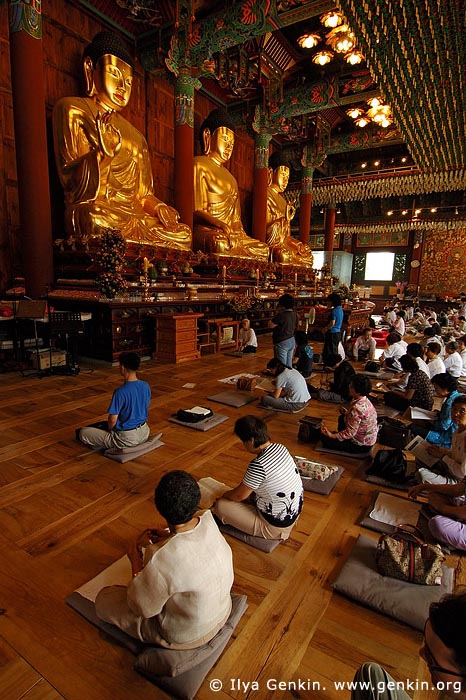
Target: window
x,y
379,266
318,259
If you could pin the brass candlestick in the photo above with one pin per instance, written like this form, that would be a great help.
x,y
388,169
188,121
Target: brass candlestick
x,y
145,290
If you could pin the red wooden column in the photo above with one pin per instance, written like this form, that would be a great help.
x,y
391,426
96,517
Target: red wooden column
x,y
259,192
184,146
28,90
305,207
329,225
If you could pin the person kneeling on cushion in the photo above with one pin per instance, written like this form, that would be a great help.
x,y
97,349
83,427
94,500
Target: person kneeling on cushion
x,y
179,596
291,393
269,499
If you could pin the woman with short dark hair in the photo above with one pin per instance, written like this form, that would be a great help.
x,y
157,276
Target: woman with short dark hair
x,y
440,430
179,596
291,393
283,326
357,425
419,391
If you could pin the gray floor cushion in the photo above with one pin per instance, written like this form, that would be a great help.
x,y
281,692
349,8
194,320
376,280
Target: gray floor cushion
x,y
126,454
328,450
202,425
378,525
257,542
323,487
179,673
389,484
407,602
233,398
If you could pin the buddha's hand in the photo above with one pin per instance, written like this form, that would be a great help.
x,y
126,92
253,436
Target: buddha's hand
x,y
167,215
290,212
109,136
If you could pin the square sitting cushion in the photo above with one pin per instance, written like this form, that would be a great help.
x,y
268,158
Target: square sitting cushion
x,y
351,455
125,454
407,602
386,511
322,487
203,425
372,479
181,672
234,398
257,542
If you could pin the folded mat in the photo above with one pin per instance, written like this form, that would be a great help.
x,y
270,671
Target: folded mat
x,y
202,425
233,398
407,602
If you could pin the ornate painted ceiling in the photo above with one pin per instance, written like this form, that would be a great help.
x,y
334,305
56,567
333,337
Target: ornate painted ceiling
x,y
246,54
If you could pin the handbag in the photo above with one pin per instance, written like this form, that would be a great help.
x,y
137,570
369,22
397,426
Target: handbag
x,y
390,465
246,383
406,556
194,415
309,429
394,433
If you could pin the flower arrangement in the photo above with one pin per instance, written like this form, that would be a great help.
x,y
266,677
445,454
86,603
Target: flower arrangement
x,y
110,257
401,285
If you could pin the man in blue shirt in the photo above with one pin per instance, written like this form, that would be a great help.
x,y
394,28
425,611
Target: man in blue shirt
x,y
126,424
333,328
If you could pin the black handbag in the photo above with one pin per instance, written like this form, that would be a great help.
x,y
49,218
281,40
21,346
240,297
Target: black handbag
x,y
394,433
309,429
390,465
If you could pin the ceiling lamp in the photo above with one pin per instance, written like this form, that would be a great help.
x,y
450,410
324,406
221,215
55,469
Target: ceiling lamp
x,y
332,19
308,41
354,112
362,122
375,102
341,39
354,57
386,122
322,58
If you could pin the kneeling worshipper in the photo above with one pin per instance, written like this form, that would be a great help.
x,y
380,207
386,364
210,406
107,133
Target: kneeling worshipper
x,y
452,467
443,652
396,347
364,346
357,425
448,503
440,430
269,498
419,390
127,414
179,596
291,393
338,391
247,337
452,360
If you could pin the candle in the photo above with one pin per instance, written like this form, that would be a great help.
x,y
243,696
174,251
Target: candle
x,y
296,278
145,264
257,274
224,271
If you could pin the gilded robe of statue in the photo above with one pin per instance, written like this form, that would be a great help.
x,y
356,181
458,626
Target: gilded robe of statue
x,y
284,248
104,165
217,213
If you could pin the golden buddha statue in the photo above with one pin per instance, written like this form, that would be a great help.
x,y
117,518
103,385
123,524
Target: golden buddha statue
x,y
284,247
217,213
103,161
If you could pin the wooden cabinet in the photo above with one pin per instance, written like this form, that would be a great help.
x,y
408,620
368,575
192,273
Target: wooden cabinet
x,y
176,337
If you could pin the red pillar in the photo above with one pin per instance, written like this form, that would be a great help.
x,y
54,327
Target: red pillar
x,y
28,90
184,147
305,207
330,215
259,192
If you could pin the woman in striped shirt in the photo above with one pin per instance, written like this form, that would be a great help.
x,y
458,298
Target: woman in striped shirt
x,y
269,498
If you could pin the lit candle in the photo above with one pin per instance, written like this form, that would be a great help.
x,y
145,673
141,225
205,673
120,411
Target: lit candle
x,y
296,278
224,271
145,264
257,274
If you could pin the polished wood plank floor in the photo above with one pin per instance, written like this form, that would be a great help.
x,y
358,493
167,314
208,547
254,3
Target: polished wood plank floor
x,y
66,513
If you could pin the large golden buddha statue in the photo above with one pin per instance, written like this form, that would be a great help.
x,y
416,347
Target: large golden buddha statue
x,y
103,161
217,213
284,247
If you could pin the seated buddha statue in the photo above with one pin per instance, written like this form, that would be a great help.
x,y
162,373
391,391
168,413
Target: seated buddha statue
x,y
103,161
217,212
284,248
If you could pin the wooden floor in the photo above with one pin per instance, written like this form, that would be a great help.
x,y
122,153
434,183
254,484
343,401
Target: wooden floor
x,y
67,512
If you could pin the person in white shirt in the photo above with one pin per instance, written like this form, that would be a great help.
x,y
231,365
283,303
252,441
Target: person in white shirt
x,y
453,362
462,351
414,350
392,353
291,394
399,324
435,363
247,337
390,316
364,347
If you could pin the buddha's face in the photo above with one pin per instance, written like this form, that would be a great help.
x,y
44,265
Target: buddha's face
x,y
222,142
281,175
113,79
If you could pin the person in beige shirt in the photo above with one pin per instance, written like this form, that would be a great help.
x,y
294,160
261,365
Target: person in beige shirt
x,y
179,596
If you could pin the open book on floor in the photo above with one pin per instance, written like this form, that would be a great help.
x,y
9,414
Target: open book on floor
x,y
419,448
420,414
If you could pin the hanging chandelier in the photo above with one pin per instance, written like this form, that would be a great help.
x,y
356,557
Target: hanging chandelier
x,y
340,39
377,112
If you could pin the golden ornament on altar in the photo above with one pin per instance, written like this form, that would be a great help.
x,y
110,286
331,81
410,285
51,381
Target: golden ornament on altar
x,y
103,161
